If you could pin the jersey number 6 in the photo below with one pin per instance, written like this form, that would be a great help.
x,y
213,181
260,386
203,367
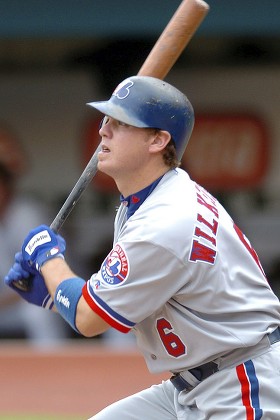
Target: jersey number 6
x,y
172,342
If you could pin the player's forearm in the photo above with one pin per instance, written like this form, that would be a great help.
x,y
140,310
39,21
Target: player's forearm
x,y
54,272
87,322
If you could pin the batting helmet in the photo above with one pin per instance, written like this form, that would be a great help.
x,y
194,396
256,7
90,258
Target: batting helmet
x,y
143,101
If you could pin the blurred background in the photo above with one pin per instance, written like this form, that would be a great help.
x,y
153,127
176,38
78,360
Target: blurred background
x,y
55,56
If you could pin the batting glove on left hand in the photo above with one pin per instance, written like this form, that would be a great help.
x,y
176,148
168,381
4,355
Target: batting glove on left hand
x,y
37,292
41,245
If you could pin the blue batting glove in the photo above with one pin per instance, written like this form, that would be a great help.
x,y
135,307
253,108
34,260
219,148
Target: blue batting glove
x,y
41,245
37,292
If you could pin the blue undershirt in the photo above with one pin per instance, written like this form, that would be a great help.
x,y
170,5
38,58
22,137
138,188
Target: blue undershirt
x,y
134,201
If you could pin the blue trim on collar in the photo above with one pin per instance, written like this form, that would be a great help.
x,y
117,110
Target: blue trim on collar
x,y
134,201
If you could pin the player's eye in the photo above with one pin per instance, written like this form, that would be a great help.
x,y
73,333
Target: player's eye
x,y
113,121
103,122
122,124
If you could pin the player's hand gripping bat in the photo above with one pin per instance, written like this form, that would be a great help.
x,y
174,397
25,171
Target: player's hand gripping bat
x,y
160,60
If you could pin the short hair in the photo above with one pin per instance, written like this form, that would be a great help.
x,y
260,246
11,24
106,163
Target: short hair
x,y
170,155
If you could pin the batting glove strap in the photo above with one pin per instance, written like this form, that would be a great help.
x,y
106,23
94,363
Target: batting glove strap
x,y
48,303
66,299
43,258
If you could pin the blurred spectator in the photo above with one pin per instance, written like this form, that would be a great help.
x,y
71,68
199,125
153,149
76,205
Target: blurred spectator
x,y
18,214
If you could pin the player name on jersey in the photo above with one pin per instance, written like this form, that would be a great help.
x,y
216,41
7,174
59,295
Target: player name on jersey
x,y
206,228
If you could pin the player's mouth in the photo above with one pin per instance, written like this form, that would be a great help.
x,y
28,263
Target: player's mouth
x,y
104,149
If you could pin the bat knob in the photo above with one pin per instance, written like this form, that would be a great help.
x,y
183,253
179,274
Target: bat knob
x,y
24,284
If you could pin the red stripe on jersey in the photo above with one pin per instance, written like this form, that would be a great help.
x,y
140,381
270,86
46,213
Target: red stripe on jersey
x,y
104,315
245,391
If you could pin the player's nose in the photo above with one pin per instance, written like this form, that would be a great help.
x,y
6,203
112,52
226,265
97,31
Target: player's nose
x,y
104,127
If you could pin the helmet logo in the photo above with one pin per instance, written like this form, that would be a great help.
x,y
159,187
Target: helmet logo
x,y
123,89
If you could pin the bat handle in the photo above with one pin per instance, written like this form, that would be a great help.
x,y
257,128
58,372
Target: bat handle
x,y
72,199
69,204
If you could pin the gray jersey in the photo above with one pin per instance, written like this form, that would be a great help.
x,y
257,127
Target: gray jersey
x,y
184,278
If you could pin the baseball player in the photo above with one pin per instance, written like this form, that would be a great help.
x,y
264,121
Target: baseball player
x,y
180,274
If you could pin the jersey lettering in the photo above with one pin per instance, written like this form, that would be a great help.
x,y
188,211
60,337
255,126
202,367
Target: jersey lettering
x,y
171,341
205,230
202,253
198,232
206,199
213,227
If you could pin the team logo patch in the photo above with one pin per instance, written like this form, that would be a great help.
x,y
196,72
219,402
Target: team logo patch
x,y
115,268
123,89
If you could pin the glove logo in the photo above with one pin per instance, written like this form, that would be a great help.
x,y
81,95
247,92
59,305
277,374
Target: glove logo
x,y
37,240
115,268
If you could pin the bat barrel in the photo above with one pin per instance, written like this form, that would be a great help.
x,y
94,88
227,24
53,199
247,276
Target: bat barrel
x,y
174,38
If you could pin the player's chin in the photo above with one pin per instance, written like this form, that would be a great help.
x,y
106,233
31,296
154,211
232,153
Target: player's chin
x,y
103,159
105,166
103,155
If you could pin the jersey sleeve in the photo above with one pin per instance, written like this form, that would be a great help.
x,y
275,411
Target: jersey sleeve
x,y
100,307
134,281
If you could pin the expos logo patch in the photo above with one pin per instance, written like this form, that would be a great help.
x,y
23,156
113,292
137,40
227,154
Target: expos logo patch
x,y
115,268
123,89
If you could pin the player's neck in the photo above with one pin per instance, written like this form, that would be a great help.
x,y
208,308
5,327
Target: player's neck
x,y
138,181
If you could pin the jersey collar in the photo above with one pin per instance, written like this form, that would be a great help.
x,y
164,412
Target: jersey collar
x,y
134,201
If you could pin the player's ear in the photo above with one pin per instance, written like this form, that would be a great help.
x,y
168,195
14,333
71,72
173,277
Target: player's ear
x,y
159,141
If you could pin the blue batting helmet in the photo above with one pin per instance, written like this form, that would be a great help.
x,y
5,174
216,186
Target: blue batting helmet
x,y
143,101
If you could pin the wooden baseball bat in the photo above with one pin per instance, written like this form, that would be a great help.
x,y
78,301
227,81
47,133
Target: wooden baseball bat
x,y
173,40
160,60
